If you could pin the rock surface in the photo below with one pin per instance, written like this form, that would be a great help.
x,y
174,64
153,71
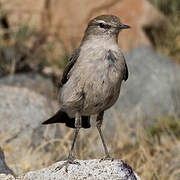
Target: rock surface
x,y
72,17
88,169
21,114
152,89
7,177
4,169
32,81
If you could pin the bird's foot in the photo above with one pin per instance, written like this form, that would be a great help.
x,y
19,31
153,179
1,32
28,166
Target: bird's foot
x,y
69,161
109,158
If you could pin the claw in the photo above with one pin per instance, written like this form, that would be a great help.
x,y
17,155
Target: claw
x,y
107,158
66,164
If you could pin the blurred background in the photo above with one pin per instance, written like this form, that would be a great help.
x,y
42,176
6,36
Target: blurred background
x,y
143,128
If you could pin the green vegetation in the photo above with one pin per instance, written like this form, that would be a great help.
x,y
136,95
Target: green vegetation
x,y
26,49
168,7
168,42
164,126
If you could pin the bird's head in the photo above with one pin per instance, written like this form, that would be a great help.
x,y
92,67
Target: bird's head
x,y
105,26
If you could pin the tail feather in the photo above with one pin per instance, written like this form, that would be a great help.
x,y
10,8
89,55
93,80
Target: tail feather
x,y
62,117
59,117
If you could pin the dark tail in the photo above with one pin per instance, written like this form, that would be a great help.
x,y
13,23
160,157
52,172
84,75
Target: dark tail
x,y
62,117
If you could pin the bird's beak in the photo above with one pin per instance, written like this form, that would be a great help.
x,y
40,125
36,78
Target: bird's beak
x,y
123,26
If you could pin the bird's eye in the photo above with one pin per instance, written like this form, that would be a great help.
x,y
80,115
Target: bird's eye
x,y
105,26
101,25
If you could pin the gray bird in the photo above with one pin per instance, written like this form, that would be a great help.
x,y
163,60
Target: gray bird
x,y
91,81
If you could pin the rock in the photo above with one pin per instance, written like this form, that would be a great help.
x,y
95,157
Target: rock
x,y
4,169
51,15
7,177
152,90
21,114
88,169
1,71
32,81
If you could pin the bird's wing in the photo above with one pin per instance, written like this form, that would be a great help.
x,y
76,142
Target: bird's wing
x,y
72,61
113,59
126,73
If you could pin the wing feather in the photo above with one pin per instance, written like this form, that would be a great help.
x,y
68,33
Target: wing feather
x,y
126,72
72,61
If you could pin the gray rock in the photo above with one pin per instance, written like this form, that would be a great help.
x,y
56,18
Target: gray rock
x,y
4,169
33,81
152,90
21,109
21,114
88,169
7,177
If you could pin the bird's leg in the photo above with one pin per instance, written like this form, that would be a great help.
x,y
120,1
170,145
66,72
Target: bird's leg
x,y
70,159
77,126
98,125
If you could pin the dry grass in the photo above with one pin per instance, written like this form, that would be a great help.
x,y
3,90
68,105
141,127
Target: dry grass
x,y
153,155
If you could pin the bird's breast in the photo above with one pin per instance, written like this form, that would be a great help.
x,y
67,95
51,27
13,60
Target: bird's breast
x,y
102,81
97,76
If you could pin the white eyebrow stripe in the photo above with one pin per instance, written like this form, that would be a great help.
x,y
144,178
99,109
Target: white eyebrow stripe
x,y
101,21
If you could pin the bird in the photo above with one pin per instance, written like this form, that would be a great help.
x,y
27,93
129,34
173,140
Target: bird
x,y
92,79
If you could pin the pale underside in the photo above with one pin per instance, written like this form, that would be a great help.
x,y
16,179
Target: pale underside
x,y
94,81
